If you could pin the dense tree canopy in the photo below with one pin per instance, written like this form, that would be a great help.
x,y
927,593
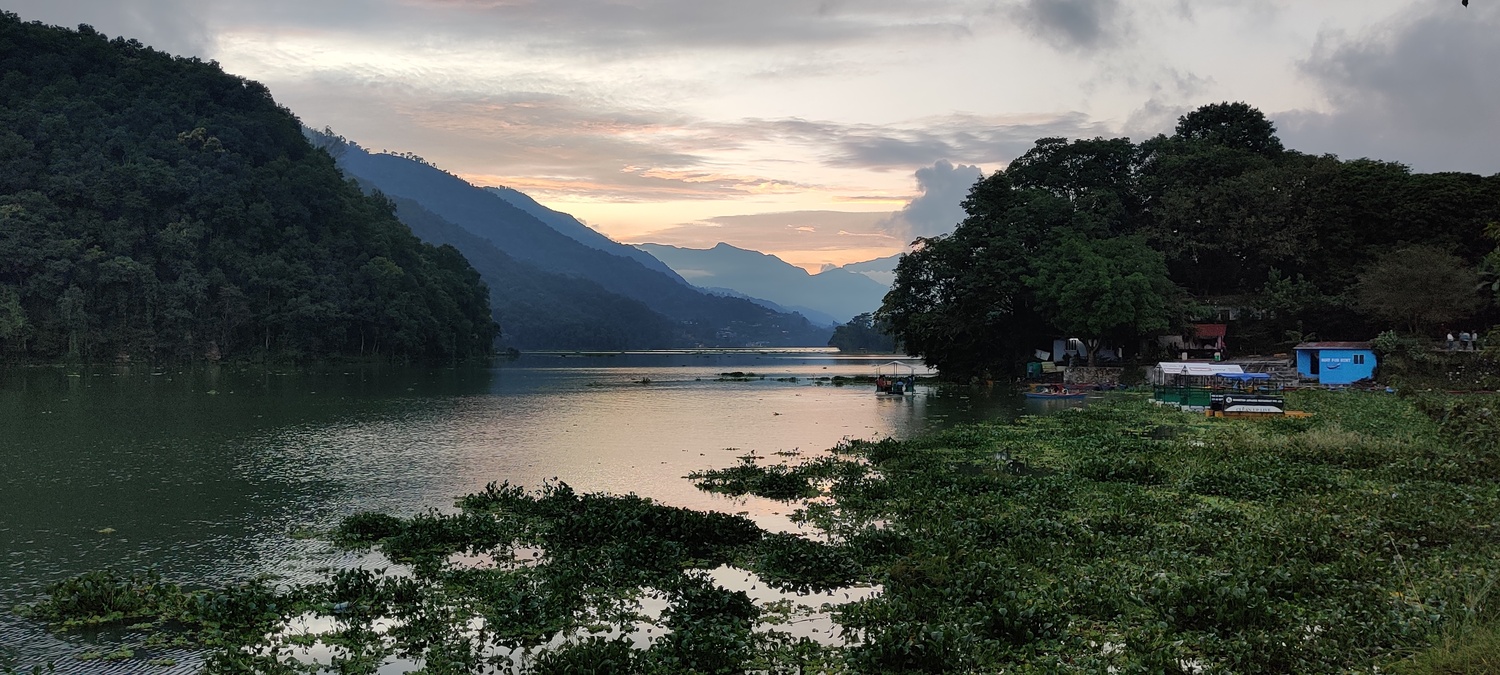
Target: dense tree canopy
x,y
861,334
1111,240
155,208
1419,287
1105,289
1236,126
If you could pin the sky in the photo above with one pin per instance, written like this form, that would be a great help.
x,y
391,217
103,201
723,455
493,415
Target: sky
x,y
827,131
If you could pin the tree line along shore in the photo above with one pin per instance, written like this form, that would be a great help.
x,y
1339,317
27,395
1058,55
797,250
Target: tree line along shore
x,y
1116,243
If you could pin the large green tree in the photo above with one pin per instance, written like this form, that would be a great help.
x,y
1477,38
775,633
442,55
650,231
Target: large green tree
x,y
1102,290
960,301
1299,243
1420,288
1028,264
1237,125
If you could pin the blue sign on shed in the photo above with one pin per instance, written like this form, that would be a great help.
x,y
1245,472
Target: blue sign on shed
x,y
1336,362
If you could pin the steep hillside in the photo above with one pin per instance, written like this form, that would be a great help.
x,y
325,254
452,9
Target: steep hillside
x,y
541,310
699,318
577,231
838,293
157,209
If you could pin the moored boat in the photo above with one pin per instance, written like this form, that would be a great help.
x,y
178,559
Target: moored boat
x,y
1059,391
895,378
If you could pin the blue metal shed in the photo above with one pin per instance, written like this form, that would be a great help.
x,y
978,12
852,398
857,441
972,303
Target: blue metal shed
x,y
1336,362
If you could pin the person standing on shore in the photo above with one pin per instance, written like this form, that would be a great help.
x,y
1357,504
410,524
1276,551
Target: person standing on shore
x,y
1463,341
1451,344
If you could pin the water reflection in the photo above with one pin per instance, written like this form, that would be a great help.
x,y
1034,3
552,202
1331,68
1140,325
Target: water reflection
x,y
204,473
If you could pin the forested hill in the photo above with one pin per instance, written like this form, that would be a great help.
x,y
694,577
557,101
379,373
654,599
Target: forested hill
x,y
157,209
697,317
1117,242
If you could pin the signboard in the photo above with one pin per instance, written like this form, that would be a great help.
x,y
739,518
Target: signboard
x,y
1248,403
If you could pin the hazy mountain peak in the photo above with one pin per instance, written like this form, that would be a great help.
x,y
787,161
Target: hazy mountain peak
x,y
835,292
879,270
577,230
499,226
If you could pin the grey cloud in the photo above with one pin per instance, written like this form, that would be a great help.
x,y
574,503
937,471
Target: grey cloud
x,y
598,29
581,143
174,26
1423,90
1156,116
531,140
940,206
935,211
1261,11
1172,94
604,25
610,28
1081,25
889,152
962,137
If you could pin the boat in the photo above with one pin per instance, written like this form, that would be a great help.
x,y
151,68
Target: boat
x,y
896,379
1220,390
1249,396
1054,391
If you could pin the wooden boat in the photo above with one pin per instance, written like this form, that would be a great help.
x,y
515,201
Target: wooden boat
x,y
1055,391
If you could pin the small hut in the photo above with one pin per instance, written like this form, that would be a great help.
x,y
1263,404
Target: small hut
x,y
1336,363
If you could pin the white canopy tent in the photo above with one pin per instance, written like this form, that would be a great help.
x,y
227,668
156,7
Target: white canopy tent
x,y
1166,369
1194,368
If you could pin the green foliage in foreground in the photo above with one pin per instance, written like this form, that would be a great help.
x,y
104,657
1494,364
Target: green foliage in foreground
x,y
1123,536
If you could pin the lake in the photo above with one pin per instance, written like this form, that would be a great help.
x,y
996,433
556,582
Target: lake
x,y
206,474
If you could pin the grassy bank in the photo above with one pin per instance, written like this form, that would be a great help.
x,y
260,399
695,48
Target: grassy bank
x,y
1123,536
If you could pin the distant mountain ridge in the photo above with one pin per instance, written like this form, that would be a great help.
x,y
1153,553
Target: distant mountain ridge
x,y
839,293
696,318
579,232
881,270
816,317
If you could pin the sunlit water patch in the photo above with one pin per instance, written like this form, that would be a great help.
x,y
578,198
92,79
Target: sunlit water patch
x,y
216,475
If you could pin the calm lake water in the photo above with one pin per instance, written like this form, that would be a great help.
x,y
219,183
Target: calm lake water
x,y
205,474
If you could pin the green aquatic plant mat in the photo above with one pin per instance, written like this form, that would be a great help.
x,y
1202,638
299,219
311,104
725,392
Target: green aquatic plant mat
x,y
1121,536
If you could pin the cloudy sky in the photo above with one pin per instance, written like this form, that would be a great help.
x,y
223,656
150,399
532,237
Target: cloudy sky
x,y
827,131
